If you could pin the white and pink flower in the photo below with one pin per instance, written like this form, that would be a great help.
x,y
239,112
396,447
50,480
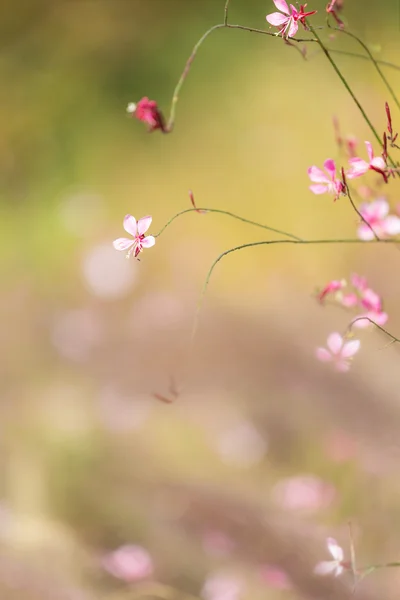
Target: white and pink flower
x,y
339,352
326,181
137,229
335,566
376,214
359,167
287,20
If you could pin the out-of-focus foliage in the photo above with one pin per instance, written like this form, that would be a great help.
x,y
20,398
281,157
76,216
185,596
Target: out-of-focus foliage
x,y
232,489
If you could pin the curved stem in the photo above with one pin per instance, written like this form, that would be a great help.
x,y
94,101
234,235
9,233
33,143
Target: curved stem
x,y
360,215
372,59
394,339
228,214
270,243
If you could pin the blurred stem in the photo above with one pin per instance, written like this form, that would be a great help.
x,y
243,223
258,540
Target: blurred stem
x,y
384,63
348,88
228,214
360,215
270,243
394,340
227,3
372,59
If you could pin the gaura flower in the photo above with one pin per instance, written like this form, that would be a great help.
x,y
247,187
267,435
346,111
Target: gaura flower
x,y
359,167
288,21
147,111
339,352
137,229
376,214
335,566
331,288
326,182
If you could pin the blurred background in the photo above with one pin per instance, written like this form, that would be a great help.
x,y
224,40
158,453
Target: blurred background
x,y
231,491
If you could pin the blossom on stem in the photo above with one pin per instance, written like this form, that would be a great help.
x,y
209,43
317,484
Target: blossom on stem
x,y
335,566
339,352
331,288
333,8
359,167
373,305
137,229
376,214
147,111
326,182
287,19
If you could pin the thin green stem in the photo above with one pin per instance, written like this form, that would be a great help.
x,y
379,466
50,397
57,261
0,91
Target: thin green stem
x,y
270,243
360,215
373,60
345,83
228,214
226,12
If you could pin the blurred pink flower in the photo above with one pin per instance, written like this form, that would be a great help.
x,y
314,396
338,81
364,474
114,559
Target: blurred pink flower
x,y
137,229
275,577
147,111
221,587
129,563
376,213
288,21
303,492
373,305
335,566
326,182
331,288
359,167
339,352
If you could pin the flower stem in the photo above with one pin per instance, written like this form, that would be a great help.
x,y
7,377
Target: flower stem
x,y
394,340
360,215
228,214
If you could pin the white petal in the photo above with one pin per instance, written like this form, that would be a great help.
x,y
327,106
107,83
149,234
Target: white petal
x,y
339,570
143,224
365,233
350,348
323,355
335,343
282,6
148,241
130,225
123,243
325,567
391,225
335,549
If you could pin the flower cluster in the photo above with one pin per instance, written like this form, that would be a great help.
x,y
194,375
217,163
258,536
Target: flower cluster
x,y
148,112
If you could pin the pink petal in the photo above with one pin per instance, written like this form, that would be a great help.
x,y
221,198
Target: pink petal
x,y
360,323
330,166
277,19
357,168
282,6
342,366
365,233
369,151
143,224
293,29
323,355
335,343
148,241
325,567
335,550
349,300
378,163
319,188
379,208
123,243
350,348
339,570
317,175
130,225
391,225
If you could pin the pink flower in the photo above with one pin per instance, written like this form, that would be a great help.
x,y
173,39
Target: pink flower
x,y
129,563
335,566
275,577
288,21
137,229
359,167
326,182
305,493
339,352
376,214
373,304
331,288
147,111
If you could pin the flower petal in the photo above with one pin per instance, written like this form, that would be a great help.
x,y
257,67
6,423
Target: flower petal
x,y
317,175
378,163
293,28
123,243
143,224
130,225
335,343
282,6
365,233
370,152
277,19
148,241
335,550
325,567
319,188
342,366
350,348
358,167
323,355
379,207
339,570
330,166
391,225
